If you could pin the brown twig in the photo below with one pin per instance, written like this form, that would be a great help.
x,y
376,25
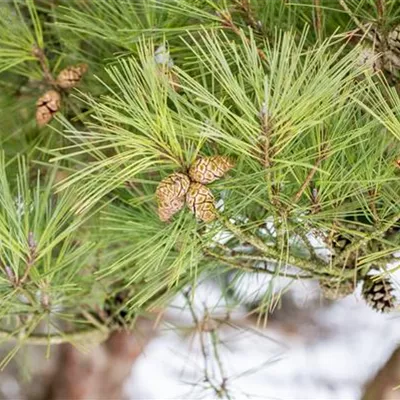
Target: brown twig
x,y
380,7
372,204
203,326
228,22
41,56
266,136
309,177
318,18
245,7
30,259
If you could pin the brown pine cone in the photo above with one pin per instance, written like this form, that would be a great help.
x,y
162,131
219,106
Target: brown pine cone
x,y
167,209
209,169
170,194
46,106
378,293
200,201
70,77
173,186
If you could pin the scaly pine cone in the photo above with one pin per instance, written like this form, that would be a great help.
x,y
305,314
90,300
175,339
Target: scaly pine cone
x,y
379,294
394,39
200,201
46,106
369,60
209,169
173,186
70,77
170,195
167,209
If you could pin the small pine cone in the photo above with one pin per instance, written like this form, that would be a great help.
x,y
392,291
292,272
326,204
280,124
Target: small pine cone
x,y
200,201
172,187
47,106
369,60
394,39
209,169
69,77
379,294
333,290
167,209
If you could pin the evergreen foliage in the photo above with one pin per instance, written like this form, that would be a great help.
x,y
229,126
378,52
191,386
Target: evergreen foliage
x,y
278,87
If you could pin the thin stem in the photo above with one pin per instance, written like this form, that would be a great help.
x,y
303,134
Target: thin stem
x,y
268,251
245,7
318,18
232,261
228,22
352,16
46,339
41,56
30,260
202,343
380,7
310,176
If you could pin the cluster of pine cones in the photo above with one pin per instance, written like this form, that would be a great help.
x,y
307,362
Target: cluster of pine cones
x,y
177,189
48,104
377,291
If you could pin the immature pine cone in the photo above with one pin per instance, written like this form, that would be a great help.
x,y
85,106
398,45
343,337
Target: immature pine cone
x,y
69,77
209,169
200,201
47,106
170,195
379,294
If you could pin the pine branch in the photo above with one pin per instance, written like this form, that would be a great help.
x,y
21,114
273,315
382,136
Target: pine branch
x,y
322,156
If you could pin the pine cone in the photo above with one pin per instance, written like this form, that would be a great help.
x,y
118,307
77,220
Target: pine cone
x,y
167,209
170,195
69,77
200,201
333,290
47,106
208,169
394,39
173,186
369,60
379,294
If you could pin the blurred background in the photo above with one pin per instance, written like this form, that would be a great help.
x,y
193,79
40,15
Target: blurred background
x,y
204,346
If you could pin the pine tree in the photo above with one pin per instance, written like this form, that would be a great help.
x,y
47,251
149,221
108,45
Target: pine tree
x,y
135,133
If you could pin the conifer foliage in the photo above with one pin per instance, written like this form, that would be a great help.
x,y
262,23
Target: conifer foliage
x,y
265,119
